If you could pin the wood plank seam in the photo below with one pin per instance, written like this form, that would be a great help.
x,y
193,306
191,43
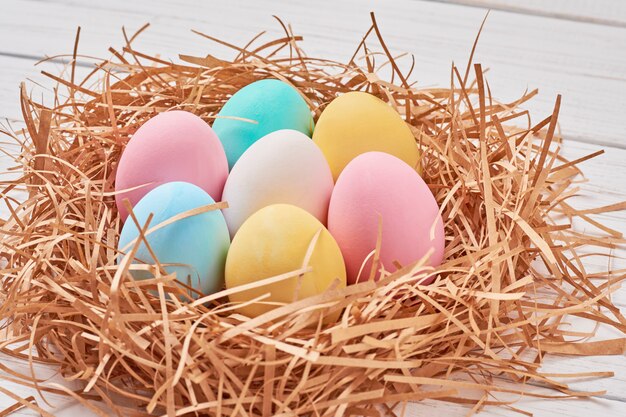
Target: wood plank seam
x,y
494,5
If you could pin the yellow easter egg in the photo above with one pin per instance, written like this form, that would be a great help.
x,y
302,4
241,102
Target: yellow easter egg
x,y
275,241
358,122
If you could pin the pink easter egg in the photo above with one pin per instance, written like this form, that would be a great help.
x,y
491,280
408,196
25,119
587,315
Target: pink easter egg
x,y
172,146
374,188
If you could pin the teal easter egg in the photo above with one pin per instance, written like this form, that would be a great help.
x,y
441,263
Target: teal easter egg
x,y
194,247
258,109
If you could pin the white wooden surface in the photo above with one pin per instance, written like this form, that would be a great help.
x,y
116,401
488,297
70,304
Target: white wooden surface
x,y
573,47
603,12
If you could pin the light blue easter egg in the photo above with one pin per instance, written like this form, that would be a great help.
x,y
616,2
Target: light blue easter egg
x,y
197,245
266,106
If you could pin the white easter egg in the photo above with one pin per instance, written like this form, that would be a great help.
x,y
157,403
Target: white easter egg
x,y
285,167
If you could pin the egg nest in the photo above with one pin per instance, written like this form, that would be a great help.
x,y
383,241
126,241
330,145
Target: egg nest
x,y
477,335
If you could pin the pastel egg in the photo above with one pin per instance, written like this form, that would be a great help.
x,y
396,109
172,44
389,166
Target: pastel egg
x,y
193,247
258,109
282,167
275,241
358,122
172,146
378,188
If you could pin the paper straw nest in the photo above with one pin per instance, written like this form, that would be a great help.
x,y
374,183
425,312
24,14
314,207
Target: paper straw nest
x,y
477,335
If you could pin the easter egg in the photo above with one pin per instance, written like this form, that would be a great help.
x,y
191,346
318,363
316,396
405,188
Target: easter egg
x,y
379,189
172,146
258,109
282,167
275,241
358,122
193,247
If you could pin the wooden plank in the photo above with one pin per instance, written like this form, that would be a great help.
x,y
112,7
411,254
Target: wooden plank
x,y
14,71
601,12
584,62
538,407
44,372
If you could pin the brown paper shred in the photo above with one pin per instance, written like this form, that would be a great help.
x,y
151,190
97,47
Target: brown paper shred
x,y
604,347
147,347
17,406
22,403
